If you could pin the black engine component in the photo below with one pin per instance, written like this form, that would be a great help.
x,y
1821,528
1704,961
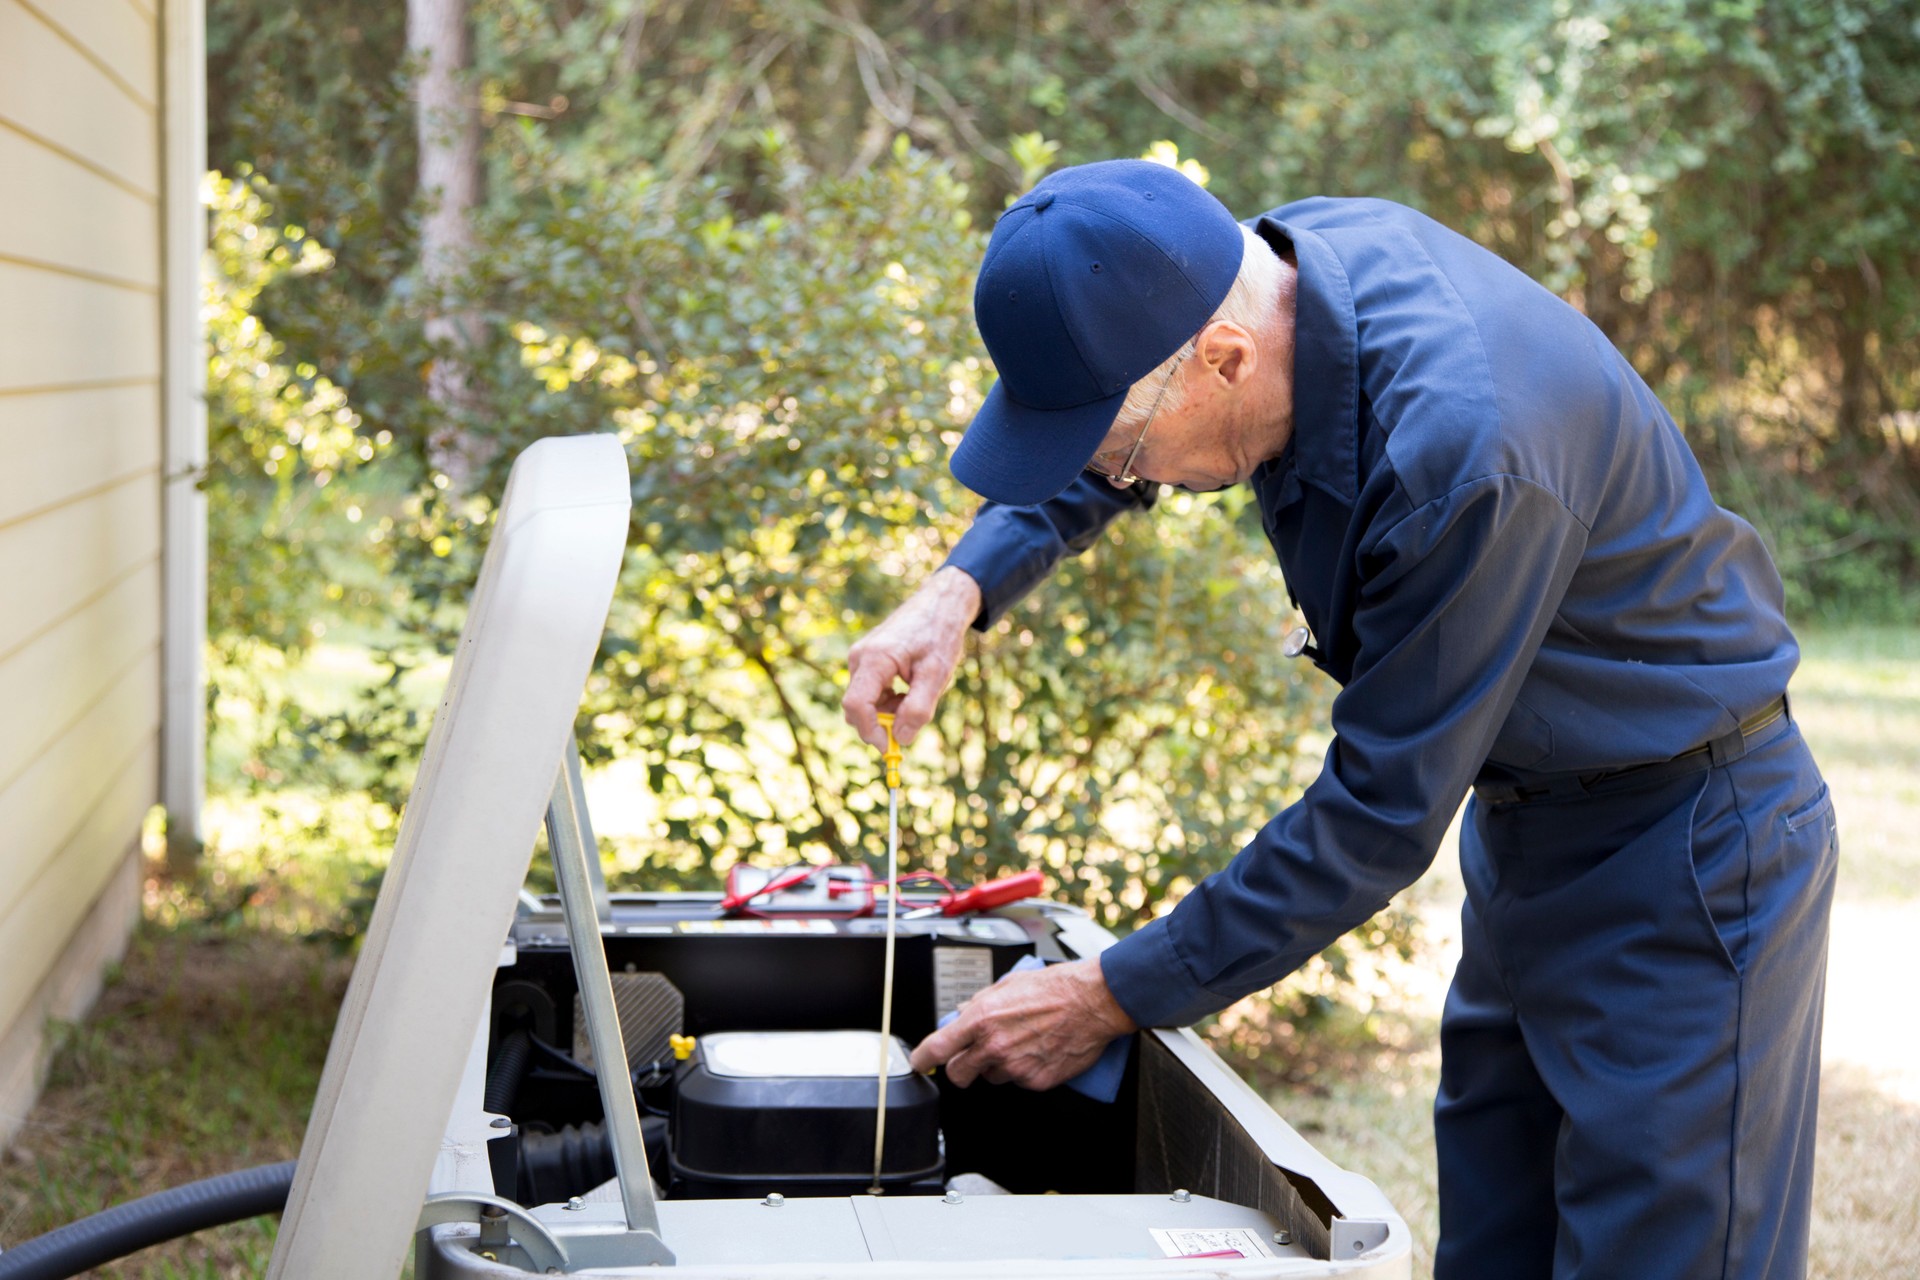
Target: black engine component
x,y
793,1112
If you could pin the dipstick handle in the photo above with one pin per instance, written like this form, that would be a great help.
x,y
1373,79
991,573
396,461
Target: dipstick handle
x,y
892,756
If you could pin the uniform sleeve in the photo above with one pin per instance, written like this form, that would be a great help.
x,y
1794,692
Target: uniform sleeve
x,y
1456,600
1011,550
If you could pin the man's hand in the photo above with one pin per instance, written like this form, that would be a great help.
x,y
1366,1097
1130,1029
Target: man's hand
x,y
1034,1029
919,643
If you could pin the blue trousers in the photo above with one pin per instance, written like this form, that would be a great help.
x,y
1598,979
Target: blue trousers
x,y
1631,1046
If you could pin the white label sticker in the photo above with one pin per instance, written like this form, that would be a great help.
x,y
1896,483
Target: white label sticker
x,y
756,926
1210,1242
959,974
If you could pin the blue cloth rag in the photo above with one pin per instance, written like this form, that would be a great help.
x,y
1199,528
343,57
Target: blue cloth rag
x,y
1101,1081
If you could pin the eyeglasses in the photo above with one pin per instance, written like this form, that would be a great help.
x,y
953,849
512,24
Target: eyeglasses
x,y
1124,477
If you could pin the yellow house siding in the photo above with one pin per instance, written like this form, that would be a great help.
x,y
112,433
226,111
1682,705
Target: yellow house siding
x,y
41,684
57,213
81,443
58,561
99,31
85,765
60,446
54,93
68,331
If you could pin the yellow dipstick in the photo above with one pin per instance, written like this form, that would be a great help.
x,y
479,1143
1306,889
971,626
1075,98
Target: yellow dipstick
x,y
892,757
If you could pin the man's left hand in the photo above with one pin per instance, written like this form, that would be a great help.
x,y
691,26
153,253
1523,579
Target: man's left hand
x,y
1035,1029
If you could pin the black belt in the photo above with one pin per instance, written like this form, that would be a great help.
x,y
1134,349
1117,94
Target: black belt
x,y
1724,749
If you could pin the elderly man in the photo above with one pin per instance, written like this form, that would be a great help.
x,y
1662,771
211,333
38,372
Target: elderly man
x,y
1507,557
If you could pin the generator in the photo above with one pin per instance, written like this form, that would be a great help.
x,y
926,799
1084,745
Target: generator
x,y
603,1084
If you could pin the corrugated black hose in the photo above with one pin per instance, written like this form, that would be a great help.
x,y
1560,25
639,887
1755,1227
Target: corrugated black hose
x,y
138,1224
508,1072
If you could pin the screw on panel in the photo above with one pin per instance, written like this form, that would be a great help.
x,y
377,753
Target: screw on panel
x,y
1283,1237
501,1122
774,1200
954,1197
1182,1196
576,1203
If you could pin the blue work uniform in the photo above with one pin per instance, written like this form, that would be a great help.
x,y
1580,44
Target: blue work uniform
x,y
1510,562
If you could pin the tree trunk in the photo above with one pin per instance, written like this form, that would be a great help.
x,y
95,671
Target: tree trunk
x,y
1859,318
448,126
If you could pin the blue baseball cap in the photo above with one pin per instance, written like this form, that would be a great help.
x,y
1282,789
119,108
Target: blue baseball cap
x,y
1090,281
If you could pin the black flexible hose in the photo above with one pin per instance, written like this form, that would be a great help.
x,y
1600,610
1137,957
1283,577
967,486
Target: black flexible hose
x,y
137,1224
508,1072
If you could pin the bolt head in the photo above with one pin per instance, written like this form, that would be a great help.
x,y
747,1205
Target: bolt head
x,y
576,1203
774,1199
1182,1196
501,1122
1283,1237
954,1197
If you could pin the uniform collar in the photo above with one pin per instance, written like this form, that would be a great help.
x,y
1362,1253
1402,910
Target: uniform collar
x,y
1326,406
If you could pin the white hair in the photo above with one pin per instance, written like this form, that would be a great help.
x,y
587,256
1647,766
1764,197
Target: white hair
x,y
1249,304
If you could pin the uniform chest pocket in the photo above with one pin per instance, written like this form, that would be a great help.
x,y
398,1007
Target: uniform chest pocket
x,y
1526,739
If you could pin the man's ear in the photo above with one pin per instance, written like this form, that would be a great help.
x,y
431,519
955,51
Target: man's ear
x,y
1229,353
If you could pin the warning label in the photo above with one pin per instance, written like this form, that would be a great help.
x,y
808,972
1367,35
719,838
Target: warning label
x,y
959,973
1210,1242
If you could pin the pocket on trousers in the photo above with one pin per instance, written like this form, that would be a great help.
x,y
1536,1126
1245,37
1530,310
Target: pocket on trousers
x,y
1812,811
1718,864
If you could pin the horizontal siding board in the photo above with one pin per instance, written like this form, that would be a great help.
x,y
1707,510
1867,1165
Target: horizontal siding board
x,y
62,330
53,564
58,445
49,684
42,808
61,213
68,990
119,38
50,90
37,923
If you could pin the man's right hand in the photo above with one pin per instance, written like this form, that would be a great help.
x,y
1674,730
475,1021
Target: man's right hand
x,y
920,644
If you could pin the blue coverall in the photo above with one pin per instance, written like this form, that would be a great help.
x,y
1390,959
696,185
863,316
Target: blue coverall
x,y
1511,564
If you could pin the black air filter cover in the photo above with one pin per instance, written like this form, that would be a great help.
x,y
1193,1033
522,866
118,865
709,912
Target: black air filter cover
x,y
793,1111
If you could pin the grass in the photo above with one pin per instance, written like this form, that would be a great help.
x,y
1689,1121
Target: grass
x,y
201,1057
203,1054
1857,696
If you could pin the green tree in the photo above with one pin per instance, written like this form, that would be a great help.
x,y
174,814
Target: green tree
x,y
741,234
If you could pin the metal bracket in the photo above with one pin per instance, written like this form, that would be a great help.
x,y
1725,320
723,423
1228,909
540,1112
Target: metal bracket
x,y
575,860
1355,1236
494,1216
596,870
